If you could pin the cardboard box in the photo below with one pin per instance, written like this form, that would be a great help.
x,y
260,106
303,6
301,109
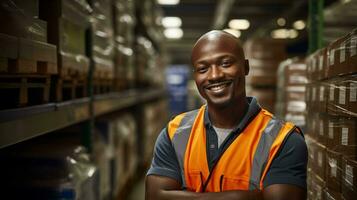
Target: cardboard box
x,y
347,141
265,96
342,104
349,178
333,170
333,95
295,74
67,22
333,132
311,152
9,46
322,89
320,167
332,195
261,77
352,95
318,187
260,48
29,7
34,50
352,52
336,57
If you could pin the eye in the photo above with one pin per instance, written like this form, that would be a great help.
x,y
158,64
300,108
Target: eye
x,y
226,63
201,69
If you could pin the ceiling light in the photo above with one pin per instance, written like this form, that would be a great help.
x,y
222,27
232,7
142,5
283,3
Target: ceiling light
x,y
281,21
284,33
280,33
240,24
293,33
234,32
168,2
171,22
299,25
173,33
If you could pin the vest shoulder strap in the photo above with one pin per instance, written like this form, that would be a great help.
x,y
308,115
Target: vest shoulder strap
x,y
179,132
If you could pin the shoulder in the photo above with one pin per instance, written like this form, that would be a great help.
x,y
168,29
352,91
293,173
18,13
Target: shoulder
x,y
290,164
180,120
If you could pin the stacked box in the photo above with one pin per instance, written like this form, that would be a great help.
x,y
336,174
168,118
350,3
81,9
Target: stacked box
x,y
25,36
153,124
20,19
148,64
25,55
124,24
149,41
331,98
126,154
67,23
291,104
102,45
264,62
51,169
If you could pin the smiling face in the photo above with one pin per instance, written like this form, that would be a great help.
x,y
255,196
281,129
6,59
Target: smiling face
x,y
219,69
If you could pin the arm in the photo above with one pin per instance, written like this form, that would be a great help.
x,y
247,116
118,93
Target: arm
x,y
164,188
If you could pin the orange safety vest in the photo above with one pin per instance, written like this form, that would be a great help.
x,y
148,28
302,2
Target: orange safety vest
x,y
242,166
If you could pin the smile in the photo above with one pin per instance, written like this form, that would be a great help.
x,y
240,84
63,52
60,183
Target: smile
x,y
218,86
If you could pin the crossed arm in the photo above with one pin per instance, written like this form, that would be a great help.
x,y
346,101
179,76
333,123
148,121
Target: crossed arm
x,y
165,188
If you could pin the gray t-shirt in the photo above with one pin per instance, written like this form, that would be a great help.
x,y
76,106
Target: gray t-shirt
x,y
288,167
222,134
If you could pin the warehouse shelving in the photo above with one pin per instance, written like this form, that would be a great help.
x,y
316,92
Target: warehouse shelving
x,y
17,125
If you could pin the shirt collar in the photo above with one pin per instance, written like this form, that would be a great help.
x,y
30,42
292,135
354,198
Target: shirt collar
x,y
253,108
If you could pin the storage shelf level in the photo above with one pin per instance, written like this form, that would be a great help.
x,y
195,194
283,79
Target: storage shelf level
x,y
17,125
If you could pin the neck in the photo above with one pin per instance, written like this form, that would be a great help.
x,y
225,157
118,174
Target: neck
x,y
228,116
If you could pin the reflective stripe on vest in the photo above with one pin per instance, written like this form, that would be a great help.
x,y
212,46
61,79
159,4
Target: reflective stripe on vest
x,y
180,140
188,138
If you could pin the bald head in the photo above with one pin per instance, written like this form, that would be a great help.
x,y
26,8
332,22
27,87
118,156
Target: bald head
x,y
206,41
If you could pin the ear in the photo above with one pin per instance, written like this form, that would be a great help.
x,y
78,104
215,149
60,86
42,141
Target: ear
x,y
246,66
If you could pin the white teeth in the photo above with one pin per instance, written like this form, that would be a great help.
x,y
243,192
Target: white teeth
x,y
217,87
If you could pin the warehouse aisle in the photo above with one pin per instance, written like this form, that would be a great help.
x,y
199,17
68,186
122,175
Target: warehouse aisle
x,y
138,191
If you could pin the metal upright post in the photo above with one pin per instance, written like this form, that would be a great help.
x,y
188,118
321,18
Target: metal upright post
x,y
315,24
88,127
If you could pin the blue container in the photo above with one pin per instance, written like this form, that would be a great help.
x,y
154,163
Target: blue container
x,y
177,77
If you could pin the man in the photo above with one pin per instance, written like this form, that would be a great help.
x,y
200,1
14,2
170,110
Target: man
x,y
230,148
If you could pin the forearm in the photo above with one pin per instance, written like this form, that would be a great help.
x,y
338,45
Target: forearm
x,y
186,195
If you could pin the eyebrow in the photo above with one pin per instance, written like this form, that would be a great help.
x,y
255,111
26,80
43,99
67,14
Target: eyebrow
x,y
220,57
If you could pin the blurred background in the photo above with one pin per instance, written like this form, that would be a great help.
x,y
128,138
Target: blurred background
x,y
86,86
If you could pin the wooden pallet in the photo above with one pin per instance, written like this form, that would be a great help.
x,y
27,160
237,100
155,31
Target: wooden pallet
x,y
25,56
102,86
69,88
26,66
24,90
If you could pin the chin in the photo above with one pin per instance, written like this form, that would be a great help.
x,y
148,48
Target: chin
x,y
220,102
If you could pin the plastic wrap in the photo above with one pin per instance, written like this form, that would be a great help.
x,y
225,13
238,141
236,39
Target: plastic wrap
x,y
50,171
103,30
339,58
291,91
124,21
148,65
349,179
20,19
342,56
67,22
125,151
124,67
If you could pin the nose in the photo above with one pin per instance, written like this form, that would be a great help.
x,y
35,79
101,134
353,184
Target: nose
x,y
215,72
